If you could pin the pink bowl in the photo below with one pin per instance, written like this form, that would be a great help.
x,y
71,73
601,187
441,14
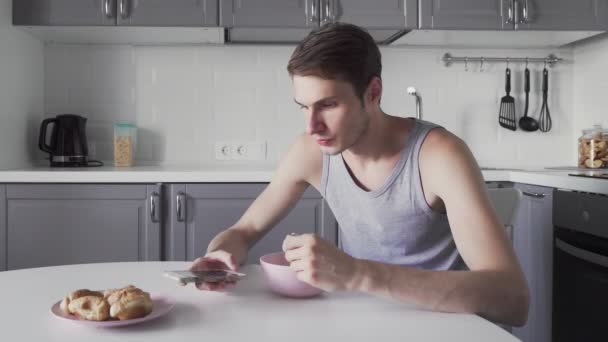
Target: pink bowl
x,y
282,280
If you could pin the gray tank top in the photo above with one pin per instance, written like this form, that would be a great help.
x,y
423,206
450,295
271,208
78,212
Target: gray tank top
x,y
392,224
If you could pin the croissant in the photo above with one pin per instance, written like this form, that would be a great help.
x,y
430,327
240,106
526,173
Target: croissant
x,y
131,304
64,306
92,308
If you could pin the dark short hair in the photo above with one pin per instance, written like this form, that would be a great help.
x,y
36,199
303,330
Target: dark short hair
x,y
338,51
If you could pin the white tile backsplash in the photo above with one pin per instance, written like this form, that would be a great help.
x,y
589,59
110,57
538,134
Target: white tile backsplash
x,y
184,98
590,84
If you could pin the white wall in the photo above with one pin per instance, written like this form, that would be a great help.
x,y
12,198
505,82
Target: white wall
x,y
21,92
184,99
591,84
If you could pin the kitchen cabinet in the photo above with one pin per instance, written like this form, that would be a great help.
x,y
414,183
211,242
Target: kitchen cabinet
x,y
2,227
563,15
64,12
56,224
533,244
514,14
168,13
269,13
464,14
198,212
116,12
254,20
312,13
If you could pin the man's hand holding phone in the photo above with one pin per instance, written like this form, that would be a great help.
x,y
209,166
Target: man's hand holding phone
x,y
216,260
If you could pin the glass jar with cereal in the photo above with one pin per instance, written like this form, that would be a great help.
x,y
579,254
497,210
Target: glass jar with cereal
x,y
125,136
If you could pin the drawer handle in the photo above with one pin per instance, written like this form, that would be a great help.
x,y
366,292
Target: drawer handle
x,y
107,8
124,8
534,194
180,211
154,215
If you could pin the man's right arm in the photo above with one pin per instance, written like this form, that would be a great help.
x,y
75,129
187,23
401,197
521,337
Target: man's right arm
x,y
301,166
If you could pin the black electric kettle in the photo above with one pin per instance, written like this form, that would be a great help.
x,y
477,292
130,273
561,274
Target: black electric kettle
x,y
68,145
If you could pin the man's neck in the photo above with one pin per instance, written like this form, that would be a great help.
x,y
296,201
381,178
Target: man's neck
x,y
380,141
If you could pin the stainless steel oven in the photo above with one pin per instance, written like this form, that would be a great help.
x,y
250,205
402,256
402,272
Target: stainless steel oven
x,y
580,267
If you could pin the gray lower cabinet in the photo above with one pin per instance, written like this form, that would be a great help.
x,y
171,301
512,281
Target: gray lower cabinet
x,y
533,244
64,12
57,224
198,212
563,15
116,12
465,14
2,227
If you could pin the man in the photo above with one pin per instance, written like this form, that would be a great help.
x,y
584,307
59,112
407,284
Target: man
x,y
416,222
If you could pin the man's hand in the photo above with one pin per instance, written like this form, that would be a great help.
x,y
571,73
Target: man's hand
x,y
214,261
320,263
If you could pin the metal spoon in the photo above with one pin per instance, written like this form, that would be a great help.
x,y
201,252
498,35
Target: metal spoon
x,y
525,122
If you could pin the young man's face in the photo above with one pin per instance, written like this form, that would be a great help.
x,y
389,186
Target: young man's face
x,y
335,116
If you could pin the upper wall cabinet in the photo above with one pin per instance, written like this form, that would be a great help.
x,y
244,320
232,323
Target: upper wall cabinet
x,y
561,15
116,12
64,12
258,20
514,14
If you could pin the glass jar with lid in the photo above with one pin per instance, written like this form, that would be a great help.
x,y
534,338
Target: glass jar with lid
x,y
125,136
593,148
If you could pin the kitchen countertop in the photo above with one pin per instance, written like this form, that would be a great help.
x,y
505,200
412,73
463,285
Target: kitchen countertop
x,y
260,174
249,311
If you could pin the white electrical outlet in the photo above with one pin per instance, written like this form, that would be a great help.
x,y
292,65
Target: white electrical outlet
x,y
223,151
240,150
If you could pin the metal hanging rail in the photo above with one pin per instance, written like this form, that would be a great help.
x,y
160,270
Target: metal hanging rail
x,y
550,60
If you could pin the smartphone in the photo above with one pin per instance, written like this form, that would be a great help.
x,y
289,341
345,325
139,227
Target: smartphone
x,y
208,276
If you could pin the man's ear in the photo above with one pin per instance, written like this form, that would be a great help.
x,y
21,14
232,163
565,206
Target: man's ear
x,y
374,90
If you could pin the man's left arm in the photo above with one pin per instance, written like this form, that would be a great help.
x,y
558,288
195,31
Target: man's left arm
x,y
494,288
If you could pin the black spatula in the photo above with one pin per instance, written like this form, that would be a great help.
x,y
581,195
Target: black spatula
x,y
506,114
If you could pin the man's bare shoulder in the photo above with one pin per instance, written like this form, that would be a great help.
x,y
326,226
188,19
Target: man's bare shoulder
x,y
303,162
444,159
440,144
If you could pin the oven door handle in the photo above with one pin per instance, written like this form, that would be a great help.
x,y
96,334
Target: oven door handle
x,y
594,258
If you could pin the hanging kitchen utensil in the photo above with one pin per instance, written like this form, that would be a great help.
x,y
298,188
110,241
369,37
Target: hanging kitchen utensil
x,y
544,120
525,122
506,114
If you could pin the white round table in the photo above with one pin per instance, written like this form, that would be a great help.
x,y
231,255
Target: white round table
x,y
248,312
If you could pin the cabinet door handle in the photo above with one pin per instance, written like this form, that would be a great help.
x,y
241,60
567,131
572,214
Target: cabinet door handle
x,y
124,8
534,194
108,9
325,18
510,12
524,12
154,214
179,207
313,11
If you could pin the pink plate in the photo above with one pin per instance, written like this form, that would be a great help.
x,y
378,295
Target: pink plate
x,y
162,306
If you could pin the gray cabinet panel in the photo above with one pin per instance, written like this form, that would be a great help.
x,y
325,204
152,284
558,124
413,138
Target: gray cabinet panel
x,y
2,227
564,15
269,13
373,14
54,229
169,13
533,244
465,14
64,12
212,208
